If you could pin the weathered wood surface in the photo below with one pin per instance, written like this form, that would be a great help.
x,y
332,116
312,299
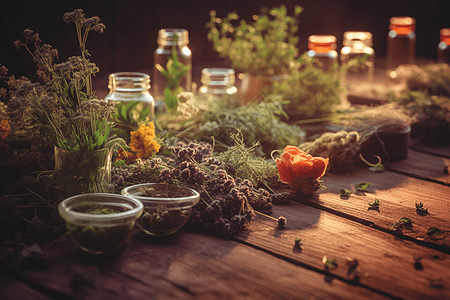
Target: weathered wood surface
x,y
397,194
263,261
387,264
439,150
12,289
423,165
188,266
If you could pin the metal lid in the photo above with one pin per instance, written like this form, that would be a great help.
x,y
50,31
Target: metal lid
x,y
173,37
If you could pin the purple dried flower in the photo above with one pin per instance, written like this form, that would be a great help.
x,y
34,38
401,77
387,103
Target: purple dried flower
x,y
3,70
99,27
74,16
35,38
17,44
91,22
27,33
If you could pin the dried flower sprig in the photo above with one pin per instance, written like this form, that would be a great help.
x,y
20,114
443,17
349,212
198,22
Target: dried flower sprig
x,y
66,107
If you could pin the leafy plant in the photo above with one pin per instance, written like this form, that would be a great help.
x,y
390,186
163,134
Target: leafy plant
x,y
174,72
128,117
265,46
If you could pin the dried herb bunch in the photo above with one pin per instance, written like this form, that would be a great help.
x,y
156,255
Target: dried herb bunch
x,y
230,187
386,117
65,106
426,93
265,46
259,120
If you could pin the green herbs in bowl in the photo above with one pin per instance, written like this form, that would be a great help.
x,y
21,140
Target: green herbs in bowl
x,y
167,207
99,222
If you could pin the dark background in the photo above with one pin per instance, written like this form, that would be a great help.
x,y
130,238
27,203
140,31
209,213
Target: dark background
x,y
130,37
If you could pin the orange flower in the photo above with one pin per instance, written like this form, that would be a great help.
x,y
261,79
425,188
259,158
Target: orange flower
x,y
143,141
296,164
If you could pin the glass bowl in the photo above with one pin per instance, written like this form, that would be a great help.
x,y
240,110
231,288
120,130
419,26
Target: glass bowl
x,y
100,222
167,207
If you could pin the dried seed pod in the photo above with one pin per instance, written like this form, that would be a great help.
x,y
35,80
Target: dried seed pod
x,y
340,147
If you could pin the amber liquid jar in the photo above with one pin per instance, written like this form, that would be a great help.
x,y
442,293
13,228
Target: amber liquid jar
x,y
171,39
401,42
443,50
358,44
322,48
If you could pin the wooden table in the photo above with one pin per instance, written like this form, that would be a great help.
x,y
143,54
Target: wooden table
x,y
263,262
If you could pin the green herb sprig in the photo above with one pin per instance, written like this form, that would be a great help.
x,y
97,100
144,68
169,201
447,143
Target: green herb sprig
x,y
401,222
375,204
360,187
420,208
174,72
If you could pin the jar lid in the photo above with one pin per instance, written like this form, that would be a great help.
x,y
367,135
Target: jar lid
x,y
218,76
319,42
129,81
445,32
402,25
402,21
173,37
352,37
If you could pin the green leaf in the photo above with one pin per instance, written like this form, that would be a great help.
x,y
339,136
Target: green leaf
x,y
402,221
329,263
406,221
375,202
362,186
434,231
345,192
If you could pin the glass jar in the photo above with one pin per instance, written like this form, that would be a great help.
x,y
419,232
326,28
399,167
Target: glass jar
x,y
217,83
443,50
358,44
322,48
401,42
135,105
169,40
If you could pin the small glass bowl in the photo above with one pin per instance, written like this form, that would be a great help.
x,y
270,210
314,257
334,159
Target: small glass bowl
x,y
167,207
100,222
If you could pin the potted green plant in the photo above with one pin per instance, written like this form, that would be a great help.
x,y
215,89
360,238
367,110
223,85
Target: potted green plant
x,y
263,49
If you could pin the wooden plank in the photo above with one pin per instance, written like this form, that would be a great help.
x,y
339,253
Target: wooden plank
x,y
423,165
397,194
439,150
12,289
189,266
396,267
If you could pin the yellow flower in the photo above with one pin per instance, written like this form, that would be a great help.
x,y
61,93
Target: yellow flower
x,y
4,129
143,141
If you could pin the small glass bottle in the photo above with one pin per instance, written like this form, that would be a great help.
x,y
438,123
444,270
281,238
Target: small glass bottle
x,y
358,44
134,103
322,48
443,50
401,42
171,39
217,83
